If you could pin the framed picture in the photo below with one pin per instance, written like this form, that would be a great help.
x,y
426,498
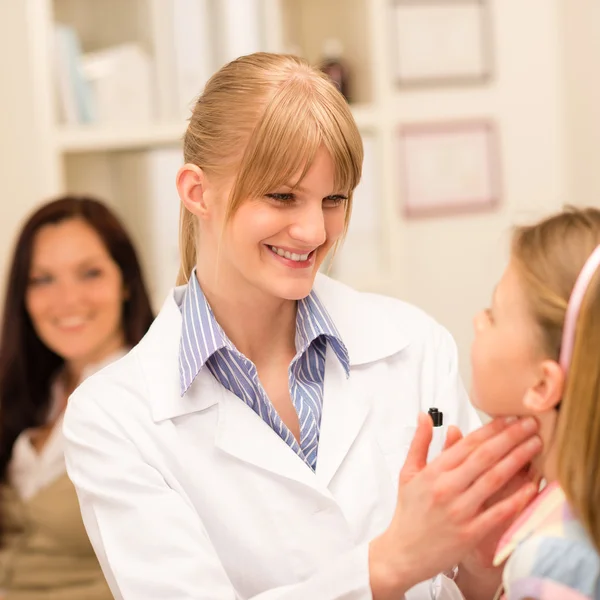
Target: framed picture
x,y
441,42
449,168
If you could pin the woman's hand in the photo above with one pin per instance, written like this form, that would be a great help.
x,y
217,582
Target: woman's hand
x,y
477,576
441,515
482,558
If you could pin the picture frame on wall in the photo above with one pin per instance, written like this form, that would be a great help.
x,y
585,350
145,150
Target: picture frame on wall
x,y
441,42
449,168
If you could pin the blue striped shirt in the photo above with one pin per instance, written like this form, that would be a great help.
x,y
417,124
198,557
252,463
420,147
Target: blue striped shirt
x,y
204,343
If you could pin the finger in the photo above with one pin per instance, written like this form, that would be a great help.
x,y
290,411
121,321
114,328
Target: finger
x,y
462,449
499,514
453,435
516,444
480,453
416,459
534,474
521,478
526,475
497,477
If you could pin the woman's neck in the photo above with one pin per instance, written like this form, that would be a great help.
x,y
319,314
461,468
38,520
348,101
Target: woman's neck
x,y
259,326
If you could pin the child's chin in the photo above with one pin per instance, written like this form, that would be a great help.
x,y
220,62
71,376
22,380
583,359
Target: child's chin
x,y
476,401
483,408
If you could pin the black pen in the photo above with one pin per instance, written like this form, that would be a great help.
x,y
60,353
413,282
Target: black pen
x,y
436,416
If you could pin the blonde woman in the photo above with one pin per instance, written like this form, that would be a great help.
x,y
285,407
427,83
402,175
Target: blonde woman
x,y
251,445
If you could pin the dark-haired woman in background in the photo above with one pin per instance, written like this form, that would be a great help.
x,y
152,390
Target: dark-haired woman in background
x,y
75,301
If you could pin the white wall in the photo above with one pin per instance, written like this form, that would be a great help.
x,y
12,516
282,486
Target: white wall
x,y
581,69
24,171
18,186
450,265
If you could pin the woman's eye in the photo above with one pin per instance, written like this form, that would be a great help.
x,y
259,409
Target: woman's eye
x,y
488,314
92,273
40,280
288,198
335,200
283,198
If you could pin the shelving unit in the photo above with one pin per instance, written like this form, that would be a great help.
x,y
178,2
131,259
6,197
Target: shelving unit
x,y
543,97
92,158
70,140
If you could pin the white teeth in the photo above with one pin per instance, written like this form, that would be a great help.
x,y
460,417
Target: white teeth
x,y
290,255
71,322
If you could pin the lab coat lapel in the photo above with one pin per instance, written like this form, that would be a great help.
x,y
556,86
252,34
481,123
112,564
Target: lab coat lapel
x,y
242,434
345,410
160,363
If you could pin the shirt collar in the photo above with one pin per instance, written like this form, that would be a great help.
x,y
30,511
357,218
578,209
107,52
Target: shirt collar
x,y
313,321
202,336
548,508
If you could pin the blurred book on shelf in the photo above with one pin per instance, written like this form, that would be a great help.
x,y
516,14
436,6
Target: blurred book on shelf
x,y
120,84
111,85
74,105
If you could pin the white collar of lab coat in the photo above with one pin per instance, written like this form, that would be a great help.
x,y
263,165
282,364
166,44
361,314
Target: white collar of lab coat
x,y
371,327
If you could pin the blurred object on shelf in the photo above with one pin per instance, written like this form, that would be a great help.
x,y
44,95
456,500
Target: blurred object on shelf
x,y
334,65
120,82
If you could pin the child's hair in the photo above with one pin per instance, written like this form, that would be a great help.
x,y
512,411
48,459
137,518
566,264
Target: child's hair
x,y
263,117
549,256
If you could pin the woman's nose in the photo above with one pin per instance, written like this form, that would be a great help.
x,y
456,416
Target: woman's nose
x,y
309,227
69,293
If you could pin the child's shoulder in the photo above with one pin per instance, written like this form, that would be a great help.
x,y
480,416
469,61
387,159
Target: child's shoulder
x,y
565,561
550,555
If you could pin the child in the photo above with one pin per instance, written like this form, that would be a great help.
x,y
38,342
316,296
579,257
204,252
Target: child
x,y
537,352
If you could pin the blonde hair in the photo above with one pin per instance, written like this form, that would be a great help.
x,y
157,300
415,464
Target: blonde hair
x,y
263,117
549,257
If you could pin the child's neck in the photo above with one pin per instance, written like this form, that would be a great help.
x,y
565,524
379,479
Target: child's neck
x,y
545,464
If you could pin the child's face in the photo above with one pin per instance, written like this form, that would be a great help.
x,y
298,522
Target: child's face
x,y
506,356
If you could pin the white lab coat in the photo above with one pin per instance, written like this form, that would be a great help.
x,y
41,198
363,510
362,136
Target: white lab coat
x,y
196,498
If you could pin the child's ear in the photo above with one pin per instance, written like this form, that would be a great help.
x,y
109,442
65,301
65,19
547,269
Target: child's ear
x,y
547,392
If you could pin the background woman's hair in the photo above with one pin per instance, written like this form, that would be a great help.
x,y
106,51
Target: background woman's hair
x,y
263,117
27,365
549,257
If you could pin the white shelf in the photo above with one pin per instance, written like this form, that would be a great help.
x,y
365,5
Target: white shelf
x,y
102,139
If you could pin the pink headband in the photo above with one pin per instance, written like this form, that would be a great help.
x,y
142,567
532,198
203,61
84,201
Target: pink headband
x,y
579,289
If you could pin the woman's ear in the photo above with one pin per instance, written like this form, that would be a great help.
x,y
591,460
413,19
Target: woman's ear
x,y
191,185
548,390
